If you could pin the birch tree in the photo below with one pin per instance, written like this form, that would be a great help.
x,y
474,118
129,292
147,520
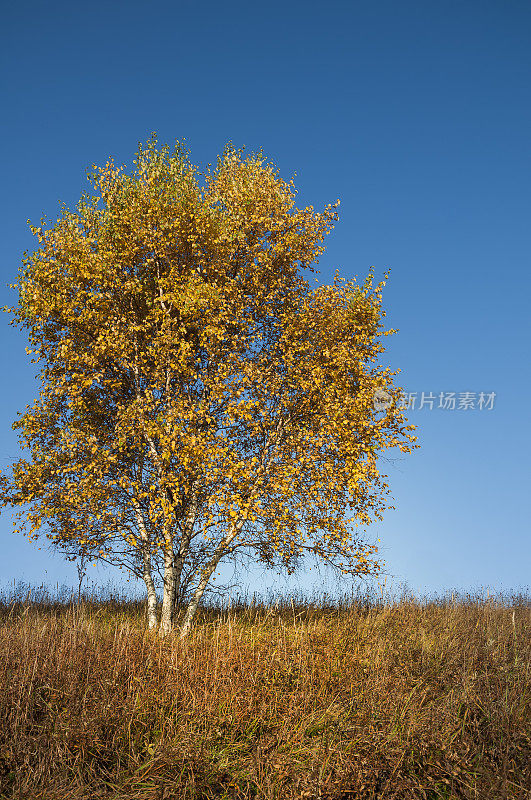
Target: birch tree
x,y
199,400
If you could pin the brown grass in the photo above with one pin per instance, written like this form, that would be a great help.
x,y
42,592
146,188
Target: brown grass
x,y
405,700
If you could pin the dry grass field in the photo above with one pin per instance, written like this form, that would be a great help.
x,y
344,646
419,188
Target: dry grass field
x,y
308,700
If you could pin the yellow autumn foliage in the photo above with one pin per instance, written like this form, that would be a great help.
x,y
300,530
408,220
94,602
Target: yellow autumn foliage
x,y
193,383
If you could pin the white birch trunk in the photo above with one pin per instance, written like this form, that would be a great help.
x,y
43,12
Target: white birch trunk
x,y
196,599
205,577
151,599
184,545
166,617
147,573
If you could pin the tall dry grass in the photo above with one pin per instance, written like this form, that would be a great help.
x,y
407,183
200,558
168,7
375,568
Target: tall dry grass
x,y
361,700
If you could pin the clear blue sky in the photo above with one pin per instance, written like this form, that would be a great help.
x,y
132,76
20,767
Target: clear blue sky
x,y
417,116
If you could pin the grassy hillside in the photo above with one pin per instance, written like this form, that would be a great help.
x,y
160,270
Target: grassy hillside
x,y
405,700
